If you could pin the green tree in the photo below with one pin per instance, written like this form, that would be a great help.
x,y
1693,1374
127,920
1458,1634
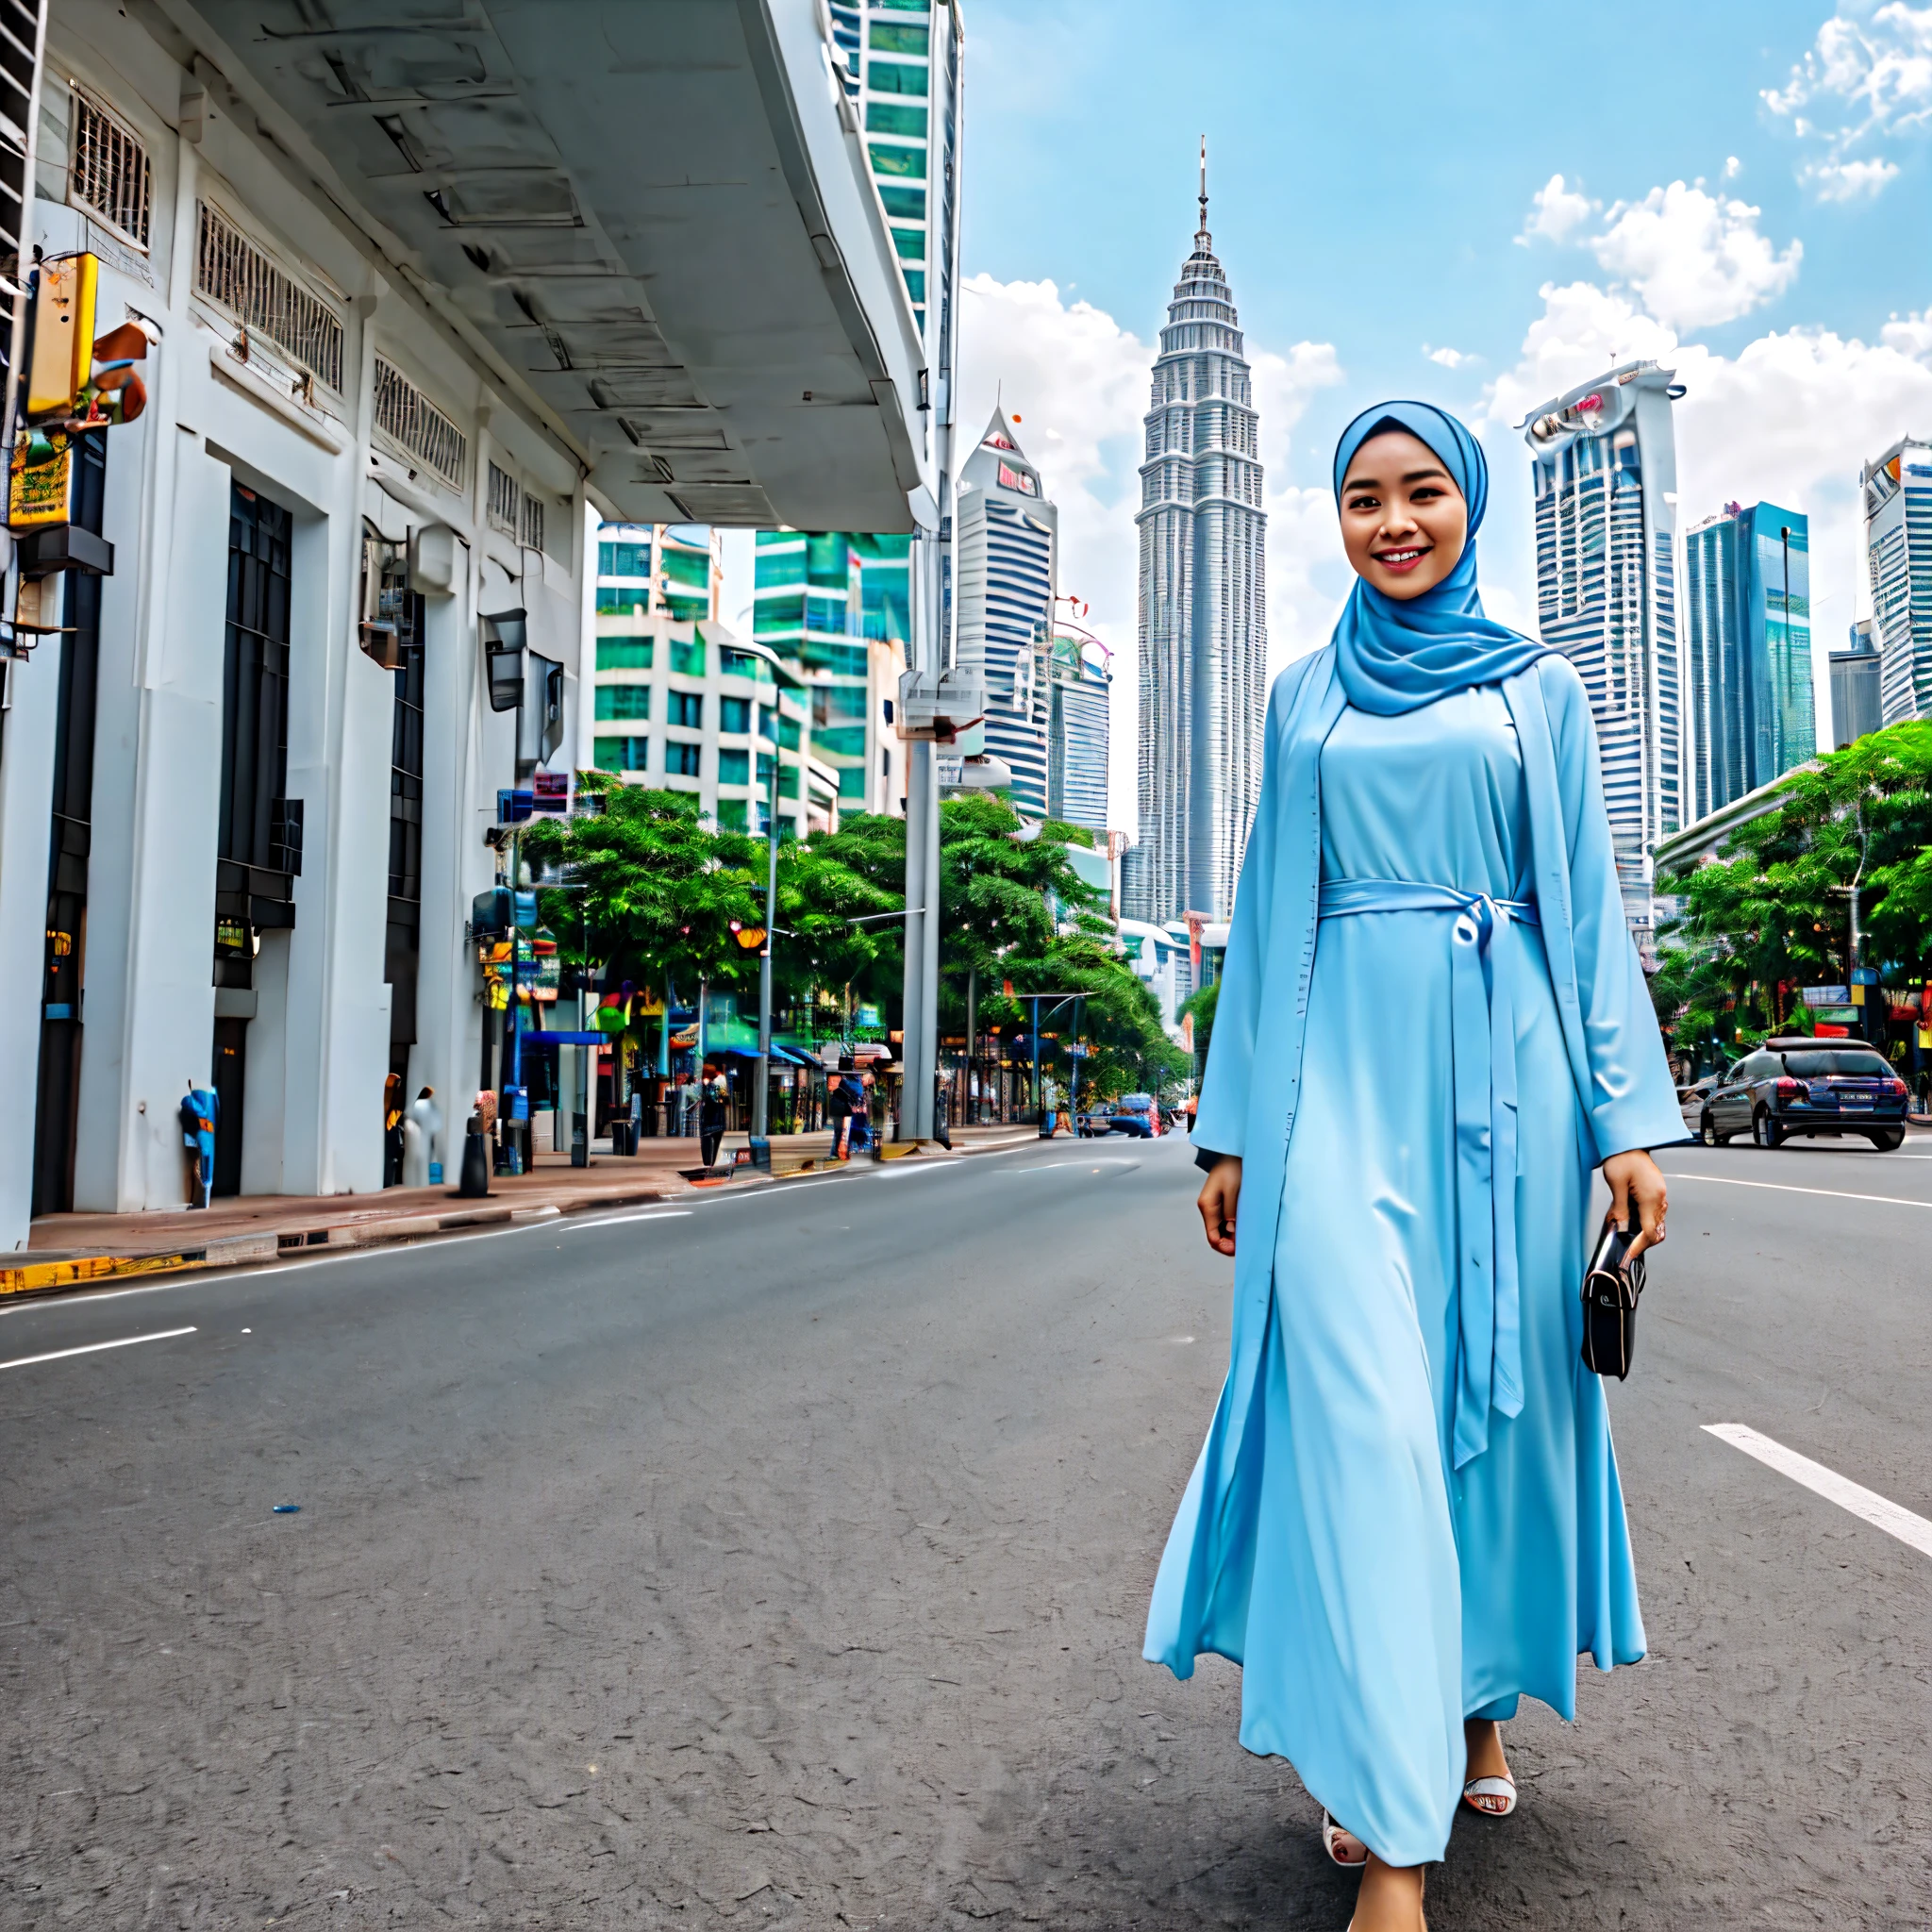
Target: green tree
x,y
653,888
1202,1002
1773,913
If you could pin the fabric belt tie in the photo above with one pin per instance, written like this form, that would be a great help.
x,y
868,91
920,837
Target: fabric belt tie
x,y
1482,1015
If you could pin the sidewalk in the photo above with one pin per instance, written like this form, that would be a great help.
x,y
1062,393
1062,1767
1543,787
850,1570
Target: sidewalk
x,y
67,1251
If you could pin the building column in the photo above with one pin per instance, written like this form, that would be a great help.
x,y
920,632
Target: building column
x,y
26,786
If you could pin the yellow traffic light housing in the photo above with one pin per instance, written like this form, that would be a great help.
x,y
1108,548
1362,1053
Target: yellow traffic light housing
x,y
63,336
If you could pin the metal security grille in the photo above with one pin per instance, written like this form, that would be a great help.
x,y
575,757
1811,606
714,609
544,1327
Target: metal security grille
x,y
505,500
533,523
231,270
110,176
411,419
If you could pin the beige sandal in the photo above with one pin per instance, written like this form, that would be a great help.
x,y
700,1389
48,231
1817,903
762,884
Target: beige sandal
x,y
1495,1797
1343,1846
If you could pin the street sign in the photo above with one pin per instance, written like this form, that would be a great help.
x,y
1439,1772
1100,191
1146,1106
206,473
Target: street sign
x,y
1827,995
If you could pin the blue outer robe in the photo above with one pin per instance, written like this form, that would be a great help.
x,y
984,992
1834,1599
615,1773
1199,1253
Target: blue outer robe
x,y
1397,1783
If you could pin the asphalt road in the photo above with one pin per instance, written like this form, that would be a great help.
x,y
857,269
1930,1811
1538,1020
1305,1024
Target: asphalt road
x,y
783,1562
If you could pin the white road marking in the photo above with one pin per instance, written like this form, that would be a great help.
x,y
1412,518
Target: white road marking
x,y
620,1220
60,1355
1724,1180
1880,1511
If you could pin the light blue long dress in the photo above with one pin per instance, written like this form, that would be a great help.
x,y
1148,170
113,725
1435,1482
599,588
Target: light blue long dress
x,y
1374,1591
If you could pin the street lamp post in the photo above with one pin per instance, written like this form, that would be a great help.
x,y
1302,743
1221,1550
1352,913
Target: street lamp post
x,y
760,1098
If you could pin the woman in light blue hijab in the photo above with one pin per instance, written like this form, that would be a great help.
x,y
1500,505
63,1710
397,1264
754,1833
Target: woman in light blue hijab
x,y
1432,1026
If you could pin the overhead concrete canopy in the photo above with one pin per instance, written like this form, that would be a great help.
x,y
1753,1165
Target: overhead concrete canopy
x,y
654,213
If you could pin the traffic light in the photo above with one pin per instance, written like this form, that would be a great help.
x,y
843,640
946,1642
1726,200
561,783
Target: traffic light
x,y
63,333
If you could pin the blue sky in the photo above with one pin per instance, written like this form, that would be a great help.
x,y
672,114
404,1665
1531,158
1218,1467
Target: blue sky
x,y
1744,193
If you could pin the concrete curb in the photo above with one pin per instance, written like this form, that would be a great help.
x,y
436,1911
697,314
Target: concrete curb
x,y
84,1271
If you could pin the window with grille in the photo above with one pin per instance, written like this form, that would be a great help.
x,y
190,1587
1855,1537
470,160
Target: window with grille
x,y
417,427
533,523
234,274
504,500
110,176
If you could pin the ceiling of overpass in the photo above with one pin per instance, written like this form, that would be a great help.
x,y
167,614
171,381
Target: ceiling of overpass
x,y
610,192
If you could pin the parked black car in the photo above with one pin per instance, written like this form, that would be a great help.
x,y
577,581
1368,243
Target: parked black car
x,y
1806,1085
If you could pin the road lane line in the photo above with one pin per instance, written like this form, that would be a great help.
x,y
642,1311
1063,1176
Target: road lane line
x,y
1723,1180
621,1219
1880,1511
60,1355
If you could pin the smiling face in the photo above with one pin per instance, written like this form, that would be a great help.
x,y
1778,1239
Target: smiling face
x,y
1404,522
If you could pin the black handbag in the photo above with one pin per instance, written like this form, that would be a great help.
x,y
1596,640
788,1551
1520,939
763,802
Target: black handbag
x,y
1611,1285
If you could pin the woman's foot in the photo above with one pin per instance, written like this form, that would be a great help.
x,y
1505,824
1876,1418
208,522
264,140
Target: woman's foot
x,y
1343,1846
1390,1899
1489,1788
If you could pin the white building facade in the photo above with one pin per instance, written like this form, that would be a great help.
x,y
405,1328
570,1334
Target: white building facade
x,y
342,593
1202,592
1897,491
1605,473
1078,733
1005,568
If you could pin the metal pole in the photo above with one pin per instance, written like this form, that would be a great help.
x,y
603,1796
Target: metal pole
x,y
971,1038
929,951
1034,1035
760,1098
915,1123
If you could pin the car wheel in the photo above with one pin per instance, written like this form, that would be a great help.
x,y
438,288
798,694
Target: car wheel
x,y
1707,1133
1766,1131
1887,1139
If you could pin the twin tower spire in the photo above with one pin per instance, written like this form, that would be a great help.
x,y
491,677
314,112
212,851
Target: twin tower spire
x,y
1204,626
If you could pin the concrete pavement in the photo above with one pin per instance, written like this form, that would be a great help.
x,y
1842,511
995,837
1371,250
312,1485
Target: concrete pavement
x,y
779,1558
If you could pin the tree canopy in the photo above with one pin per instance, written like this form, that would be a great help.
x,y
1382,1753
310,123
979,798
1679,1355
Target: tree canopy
x,y
1772,913
645,887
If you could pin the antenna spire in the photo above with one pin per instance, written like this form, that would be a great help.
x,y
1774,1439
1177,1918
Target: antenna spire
x,y
1202,229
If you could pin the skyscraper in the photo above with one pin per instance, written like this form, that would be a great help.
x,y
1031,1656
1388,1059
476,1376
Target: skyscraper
x,y
1857,703
1077,730
1750,713
902,76
837,605
1007,560
1203,630
1604,462
1898,555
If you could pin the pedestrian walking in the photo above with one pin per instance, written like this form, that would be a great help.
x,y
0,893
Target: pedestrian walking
x,y
712,1115
1407,1514
839,1115
861,1091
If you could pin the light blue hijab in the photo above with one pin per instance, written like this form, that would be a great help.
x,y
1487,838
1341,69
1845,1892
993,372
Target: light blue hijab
x,y
1394,654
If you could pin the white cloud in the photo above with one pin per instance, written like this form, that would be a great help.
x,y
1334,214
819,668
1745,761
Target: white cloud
x,y
1450,358
1557,211
1078,383
1733,167
1790,419
1582,331
1693,257
1866,78
1305,556
1847,180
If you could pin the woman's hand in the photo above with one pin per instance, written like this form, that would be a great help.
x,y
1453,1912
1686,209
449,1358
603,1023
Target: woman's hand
x,y
1219,1197
1635,1182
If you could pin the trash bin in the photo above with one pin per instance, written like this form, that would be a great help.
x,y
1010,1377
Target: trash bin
x,y
579,1141
624,1135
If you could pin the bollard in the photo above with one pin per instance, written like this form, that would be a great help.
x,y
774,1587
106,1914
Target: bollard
x,y
475,1181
